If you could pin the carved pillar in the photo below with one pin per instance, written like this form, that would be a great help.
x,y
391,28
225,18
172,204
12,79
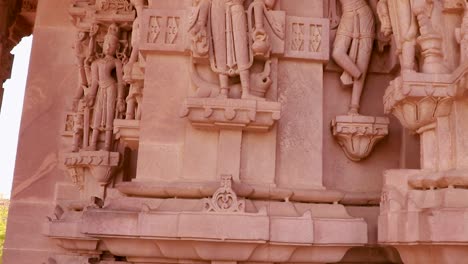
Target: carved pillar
x,y
431,202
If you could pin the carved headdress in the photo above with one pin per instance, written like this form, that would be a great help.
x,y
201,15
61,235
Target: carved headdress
x,y
112,34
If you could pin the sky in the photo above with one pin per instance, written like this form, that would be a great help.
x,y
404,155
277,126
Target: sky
x,y
10,115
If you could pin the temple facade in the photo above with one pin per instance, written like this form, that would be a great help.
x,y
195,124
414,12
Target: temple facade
x,y
240,132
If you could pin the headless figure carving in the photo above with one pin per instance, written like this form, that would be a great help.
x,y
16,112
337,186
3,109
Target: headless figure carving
x,y
353,46
110,91
135,94
226,21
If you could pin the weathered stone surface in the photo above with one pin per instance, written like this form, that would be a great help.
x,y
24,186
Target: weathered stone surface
x,y
231,131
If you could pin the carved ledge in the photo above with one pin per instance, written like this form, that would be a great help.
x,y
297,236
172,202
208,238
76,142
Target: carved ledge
x,y
206,189
86,12
297,232
102,164
128,131
238,114
439,180
417,99
357,135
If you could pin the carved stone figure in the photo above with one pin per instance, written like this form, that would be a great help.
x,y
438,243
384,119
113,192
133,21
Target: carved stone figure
x,y
106,92
410,22
136,86
135,39
227,22
353,46
220,30
80,48
134,101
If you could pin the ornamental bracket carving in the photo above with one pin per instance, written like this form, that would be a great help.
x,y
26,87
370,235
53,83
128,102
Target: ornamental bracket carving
x,y
358,135
225,200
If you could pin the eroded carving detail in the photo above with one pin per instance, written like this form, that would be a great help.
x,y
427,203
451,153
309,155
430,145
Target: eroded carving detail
x,y
116,5
154,29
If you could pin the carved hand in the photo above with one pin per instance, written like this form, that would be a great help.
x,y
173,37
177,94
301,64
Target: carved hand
x,y
196,29
121,105
75,104
94,30
89,100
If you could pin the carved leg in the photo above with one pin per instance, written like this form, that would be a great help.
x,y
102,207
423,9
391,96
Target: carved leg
x,y
110,115
341,57
94,139
130,114
224,83
108,140
364,55
245,83
138,108
218,31
76,140
408,55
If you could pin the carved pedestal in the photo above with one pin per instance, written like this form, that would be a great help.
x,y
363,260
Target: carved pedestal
x,y
236,114
357,135
417,99
101,164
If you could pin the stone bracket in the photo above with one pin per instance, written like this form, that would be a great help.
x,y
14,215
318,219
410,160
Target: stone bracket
x,y
102,164
357,135
417,99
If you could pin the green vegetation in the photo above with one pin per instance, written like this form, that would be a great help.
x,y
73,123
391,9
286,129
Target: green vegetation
x,y
3,219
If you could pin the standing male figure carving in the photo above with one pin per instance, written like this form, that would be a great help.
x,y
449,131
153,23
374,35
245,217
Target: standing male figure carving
x,y
110,93
226,22
353,47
